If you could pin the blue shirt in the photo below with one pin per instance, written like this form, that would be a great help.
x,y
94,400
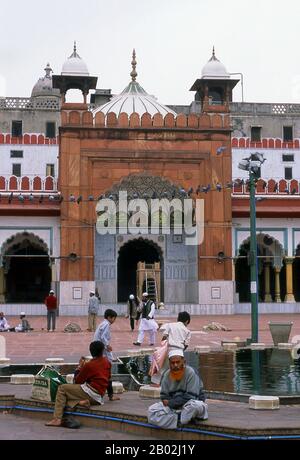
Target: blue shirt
x,y
102,334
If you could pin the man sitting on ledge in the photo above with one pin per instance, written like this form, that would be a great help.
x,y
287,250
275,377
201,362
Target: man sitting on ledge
x,y
182,396
90,385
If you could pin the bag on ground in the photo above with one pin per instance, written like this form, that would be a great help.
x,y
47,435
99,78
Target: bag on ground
x,y
46,383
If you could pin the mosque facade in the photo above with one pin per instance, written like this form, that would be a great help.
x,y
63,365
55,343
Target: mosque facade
x,y
62,158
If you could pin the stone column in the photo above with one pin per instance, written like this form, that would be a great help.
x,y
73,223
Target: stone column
x,y
2,285
268,297
289,280
277,284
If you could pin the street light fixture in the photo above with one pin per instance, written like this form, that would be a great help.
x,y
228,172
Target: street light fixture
x,y
252,165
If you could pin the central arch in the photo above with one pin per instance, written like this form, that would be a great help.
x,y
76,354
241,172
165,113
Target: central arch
x,y
132,252
26,263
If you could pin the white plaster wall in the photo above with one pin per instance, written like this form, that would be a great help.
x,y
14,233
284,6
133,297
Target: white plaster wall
x,y
39,226
272,168
66,299
225,288
34,161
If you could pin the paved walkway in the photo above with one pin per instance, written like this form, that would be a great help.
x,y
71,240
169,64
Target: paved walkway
x,y
39,344
14,427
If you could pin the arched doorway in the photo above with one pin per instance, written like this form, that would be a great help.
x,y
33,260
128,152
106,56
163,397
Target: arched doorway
x,y
134,251
271,270
27,269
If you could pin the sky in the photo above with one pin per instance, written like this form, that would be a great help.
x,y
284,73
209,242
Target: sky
x,y
173,41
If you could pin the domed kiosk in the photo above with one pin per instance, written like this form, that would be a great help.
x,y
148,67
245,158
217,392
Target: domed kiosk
x,y
74,75
214,88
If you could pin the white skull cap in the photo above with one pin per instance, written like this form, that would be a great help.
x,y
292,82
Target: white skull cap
x,y
145,294
131,297
175,353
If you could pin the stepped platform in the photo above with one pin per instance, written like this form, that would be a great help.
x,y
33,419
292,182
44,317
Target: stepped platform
x,y
227,420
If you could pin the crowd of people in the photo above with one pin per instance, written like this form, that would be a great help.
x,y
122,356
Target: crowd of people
x,y
182,398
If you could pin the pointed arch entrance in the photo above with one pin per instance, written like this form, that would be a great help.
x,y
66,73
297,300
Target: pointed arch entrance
x,y
27,269
130,254
271,270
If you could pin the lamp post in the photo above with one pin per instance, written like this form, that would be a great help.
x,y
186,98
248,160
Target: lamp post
x,y
252,165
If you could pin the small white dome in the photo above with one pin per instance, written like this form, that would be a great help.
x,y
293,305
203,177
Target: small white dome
x,y
214,69
75,66
43,86
134,99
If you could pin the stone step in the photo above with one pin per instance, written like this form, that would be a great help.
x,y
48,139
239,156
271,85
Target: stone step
x,y
263,402
286,346
22,379
118,387
230,346
258,346
54,360
147,391
202,349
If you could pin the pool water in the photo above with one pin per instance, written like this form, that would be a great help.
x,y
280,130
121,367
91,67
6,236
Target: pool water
x,y
264,372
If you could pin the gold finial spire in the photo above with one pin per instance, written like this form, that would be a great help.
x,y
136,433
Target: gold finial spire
x,y
75,47
133,63
213,53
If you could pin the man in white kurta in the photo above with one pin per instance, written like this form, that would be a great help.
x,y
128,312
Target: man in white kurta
x,y
147,322
178,337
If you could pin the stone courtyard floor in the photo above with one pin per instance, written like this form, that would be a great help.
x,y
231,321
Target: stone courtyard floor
x,y
39,344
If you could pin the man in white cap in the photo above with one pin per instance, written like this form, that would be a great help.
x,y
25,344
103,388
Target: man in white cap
x,y
24,326
147,323
93,311
132,310
182,396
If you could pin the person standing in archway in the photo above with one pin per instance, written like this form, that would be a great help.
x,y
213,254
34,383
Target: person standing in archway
x,y
132,310
51,304
147,323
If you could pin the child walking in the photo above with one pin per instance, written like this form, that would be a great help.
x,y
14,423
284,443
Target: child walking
x,y
103,335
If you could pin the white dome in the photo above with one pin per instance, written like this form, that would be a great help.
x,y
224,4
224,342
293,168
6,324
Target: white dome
x,y
75,66
134,99
43,86
214,69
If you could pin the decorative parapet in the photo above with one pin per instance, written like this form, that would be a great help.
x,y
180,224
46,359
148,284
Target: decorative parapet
x,y
267,187
146,121
264,109
265,143
34,184
26,103
28,139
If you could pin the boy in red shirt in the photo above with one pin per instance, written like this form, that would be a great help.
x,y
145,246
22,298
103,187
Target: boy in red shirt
x,y
89,387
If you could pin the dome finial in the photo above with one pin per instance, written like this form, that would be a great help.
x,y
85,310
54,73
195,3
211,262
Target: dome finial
x,y
75,47
213,53
133,63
